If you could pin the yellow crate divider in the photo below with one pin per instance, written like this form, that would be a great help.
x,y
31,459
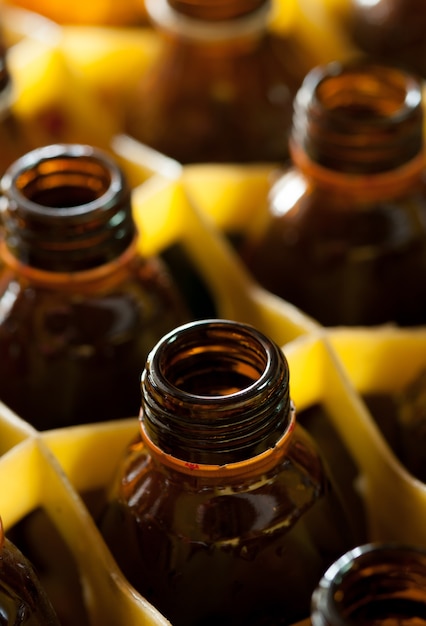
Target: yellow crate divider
x,y
31,472
383,360
165,213
193,206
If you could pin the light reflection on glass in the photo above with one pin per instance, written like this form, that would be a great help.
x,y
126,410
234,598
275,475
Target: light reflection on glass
x,y
295,187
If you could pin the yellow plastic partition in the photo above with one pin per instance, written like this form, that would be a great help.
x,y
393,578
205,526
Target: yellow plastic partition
x,y
56,475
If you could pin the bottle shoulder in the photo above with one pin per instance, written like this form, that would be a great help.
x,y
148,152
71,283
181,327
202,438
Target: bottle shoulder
x,y
131,272
284,491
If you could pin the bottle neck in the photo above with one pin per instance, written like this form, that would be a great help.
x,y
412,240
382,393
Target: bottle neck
x,y
373,585
360,118
213,10
215,392
66,208
209,22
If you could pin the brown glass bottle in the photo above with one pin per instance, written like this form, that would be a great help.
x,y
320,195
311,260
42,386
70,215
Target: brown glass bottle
x,y
345,241
223,86
373,585
223,511
22,598
389,30
80,307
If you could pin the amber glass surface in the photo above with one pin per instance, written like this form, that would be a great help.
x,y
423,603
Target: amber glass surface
x,y
373,585
216,93
345,238
22,598
391,30
80,307
223,512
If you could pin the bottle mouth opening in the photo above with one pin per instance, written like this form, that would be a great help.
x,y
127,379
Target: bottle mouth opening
x,y
66,208
216,10
371,584
215,391
62,180
215,360
360,117
365,92
210,22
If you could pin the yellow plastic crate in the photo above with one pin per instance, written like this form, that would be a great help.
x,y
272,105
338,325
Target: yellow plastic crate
x,y
57,471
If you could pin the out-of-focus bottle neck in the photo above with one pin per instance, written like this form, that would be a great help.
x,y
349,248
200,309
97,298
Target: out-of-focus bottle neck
x,y
210,21
213,10
360,118
66,208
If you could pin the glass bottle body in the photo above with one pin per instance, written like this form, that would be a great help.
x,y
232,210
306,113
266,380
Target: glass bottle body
x,y
215,97
345,235
80,306
232,542
373,585
22,599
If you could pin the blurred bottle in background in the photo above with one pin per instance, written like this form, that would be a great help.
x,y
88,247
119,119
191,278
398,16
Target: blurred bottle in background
x,y
80,307
344,238
222,87
392,31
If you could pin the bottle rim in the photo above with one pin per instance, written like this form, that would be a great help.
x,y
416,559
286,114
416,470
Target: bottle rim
x,y
321,74
242,413
359,117
324,604
171,20
39,159
66,208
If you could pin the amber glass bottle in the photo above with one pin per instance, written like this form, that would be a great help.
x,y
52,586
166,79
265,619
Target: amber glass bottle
x,y
223,512
345,239
22,598
390,30
223,86
80,307
373,585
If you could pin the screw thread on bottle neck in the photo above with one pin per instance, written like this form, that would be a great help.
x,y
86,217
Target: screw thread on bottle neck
x,y
66,208
215,392
359,118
